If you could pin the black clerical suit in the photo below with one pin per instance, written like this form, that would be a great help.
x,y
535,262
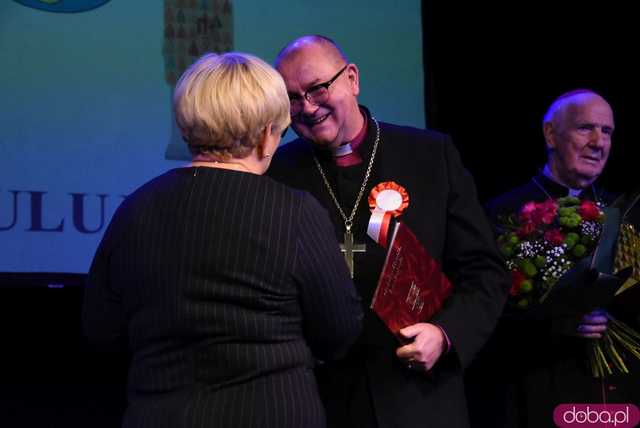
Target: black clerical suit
x,y
226,285
529,367
370,387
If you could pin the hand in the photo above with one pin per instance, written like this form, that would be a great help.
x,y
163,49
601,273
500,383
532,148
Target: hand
x,y
593,324
426,342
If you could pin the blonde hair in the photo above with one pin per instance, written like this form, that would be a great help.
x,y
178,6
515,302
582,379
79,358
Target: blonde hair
x,y
224,102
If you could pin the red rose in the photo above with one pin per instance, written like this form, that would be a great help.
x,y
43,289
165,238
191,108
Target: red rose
x,y
544,212
588,210
526,230
548,211
527,210
554,236
517,278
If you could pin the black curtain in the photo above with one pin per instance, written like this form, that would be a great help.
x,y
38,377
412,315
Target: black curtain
x,y
491,71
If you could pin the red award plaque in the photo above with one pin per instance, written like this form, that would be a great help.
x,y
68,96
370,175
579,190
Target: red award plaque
x,y
411,288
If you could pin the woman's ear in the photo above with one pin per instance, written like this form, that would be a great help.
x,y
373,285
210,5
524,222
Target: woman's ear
x,y
268,142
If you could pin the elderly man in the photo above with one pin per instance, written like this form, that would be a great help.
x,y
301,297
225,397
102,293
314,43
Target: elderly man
x,y
577,129
342,153
530,367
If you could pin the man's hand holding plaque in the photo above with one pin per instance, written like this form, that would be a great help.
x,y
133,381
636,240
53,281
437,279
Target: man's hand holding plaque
x,y
411,288
425,344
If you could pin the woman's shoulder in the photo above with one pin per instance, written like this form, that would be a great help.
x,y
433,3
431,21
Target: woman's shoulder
x,y
304,203
286,192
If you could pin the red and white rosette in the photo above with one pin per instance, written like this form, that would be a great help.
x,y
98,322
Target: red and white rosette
x,y
386,200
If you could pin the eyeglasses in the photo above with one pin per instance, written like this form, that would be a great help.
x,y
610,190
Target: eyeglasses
x,y
316,95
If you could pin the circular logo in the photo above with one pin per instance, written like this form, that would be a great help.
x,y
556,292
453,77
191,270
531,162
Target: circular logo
x,y
389,200
389,197
63,6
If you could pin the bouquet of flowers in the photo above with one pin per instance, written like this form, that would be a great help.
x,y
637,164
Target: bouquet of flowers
x,y
543,241
543,245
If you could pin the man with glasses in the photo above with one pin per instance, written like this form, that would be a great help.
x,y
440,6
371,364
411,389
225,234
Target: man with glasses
x,y
342,153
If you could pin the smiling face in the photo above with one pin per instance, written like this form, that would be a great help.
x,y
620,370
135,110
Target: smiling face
x,y
336,120
579,139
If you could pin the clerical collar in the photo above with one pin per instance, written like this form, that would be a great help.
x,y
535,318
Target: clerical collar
x,y
347,154
547,173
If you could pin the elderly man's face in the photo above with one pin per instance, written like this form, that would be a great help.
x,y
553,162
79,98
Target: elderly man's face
x,y
331,122
581,140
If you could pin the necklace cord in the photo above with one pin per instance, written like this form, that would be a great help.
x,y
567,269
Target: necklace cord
x,y
348,221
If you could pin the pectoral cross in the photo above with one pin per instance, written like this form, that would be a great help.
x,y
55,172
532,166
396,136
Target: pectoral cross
x,y
348,248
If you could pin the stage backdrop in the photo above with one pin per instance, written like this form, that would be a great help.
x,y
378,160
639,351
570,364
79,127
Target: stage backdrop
x,y
85,99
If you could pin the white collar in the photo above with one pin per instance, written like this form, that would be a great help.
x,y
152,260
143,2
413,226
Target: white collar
x,y
547,173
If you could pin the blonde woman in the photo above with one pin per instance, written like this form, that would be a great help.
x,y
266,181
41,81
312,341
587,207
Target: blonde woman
x,y
226,284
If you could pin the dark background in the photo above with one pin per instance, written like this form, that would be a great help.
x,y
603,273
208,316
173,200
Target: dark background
x,y
491,72
49,376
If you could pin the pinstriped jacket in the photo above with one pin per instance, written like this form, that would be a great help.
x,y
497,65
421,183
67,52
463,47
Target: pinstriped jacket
x,y
227,287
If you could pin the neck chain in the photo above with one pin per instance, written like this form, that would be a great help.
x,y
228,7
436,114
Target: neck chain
x,y
541,187
348,247
348,221
232,166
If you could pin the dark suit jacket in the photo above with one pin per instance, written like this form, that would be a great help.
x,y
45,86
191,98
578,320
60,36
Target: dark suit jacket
x,y
227,286
528,367
370,386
